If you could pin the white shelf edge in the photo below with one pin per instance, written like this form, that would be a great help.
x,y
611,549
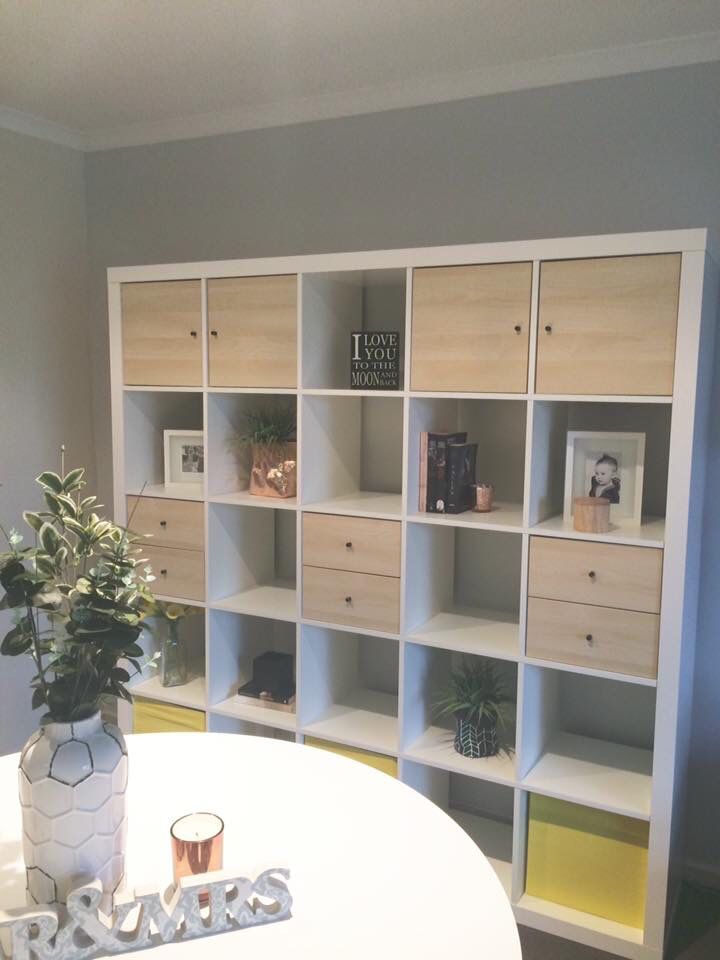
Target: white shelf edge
x,y
281,391
136,388
168,491
427,635
331,392
241,498
594,931
589,671
456,520
265,716
629,536
345,628
154,690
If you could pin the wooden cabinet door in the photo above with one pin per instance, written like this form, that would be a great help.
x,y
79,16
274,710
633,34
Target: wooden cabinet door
x,y
161,333
360,544
252,325
608,325
470,328
169,523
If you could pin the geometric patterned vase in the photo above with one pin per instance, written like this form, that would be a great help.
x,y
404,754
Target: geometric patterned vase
x,y
73,780
476,742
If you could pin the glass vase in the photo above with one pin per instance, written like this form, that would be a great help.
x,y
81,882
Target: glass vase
x,y
173,654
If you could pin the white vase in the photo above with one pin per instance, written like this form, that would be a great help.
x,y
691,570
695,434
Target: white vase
x,y
73,778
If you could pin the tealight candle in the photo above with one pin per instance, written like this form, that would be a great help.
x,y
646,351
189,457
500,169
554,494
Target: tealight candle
x,y
197,844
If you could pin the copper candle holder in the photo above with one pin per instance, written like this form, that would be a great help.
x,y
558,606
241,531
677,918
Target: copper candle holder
x,y
197,844
484,493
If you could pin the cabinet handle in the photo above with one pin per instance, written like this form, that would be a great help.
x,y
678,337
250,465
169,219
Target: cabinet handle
x,y
589,639
348,545
348,600
592,574
193,333
518,328
548,328
163,523
163,573
213,333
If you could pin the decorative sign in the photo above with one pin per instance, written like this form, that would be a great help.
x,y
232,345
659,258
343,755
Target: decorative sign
x,y
375,360
198,907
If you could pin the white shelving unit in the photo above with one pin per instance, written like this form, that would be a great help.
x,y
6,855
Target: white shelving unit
x,y
579,734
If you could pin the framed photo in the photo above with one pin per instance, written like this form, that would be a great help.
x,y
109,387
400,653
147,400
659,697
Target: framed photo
x,y
184,456
608,465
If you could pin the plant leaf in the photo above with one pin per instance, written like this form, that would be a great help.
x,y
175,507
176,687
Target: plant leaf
x,y
50,480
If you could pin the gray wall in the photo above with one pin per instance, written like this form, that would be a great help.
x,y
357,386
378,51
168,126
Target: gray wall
x,y
45,380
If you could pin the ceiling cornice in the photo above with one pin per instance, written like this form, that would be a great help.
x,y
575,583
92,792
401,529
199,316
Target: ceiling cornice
x,y
570,68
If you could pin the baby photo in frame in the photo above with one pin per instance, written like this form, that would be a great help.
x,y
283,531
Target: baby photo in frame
x,y
608,465
184,456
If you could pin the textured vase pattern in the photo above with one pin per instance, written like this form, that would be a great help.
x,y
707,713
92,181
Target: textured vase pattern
x,y
475,742
73,780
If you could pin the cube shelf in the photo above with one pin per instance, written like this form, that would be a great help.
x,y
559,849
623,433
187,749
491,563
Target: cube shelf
x,y
335,305
355,447
148,683
253,559
428,739
230,460
589,740
483,810
466,593
350,689
236,640
498,427
147,413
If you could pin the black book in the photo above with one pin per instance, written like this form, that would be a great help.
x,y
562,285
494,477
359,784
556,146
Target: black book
x,y
461,459
437,475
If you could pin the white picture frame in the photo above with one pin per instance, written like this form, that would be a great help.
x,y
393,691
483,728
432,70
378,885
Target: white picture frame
x,y
610,462
184,456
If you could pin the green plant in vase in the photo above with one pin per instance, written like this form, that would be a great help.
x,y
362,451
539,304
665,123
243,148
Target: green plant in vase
x,y
270,435
167,618
477,698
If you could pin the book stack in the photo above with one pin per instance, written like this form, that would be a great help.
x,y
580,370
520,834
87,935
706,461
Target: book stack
x,y
447,472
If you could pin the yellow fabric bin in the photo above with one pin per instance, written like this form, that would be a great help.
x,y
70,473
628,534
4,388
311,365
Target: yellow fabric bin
x,y
378,760
152,716
587,859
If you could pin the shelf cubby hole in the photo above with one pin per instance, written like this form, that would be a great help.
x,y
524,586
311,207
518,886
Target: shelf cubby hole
x,y
428,738
354,448
229,461
235,641
350,689
463,589
338,304
551,422
252,560
148,683
588,740
484,811
219,723
147,414
498,428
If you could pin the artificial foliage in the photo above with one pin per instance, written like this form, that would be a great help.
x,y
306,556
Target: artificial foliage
x,y
476,694
79,598
270,425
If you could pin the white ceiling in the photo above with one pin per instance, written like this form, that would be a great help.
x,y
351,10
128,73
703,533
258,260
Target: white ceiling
x,y
103,73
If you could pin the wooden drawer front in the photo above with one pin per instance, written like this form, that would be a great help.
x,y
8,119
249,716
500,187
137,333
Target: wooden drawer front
x,y
620,640
377,760
162,333
606,574
252,324
374,602
612,325
352,543
471,327
171,523
151,716
184,572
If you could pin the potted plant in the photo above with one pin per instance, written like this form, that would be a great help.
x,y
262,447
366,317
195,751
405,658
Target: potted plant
x,y
77,600
477,698
165,620
270,434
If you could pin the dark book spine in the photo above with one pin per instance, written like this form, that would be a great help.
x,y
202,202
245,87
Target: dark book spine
x,y
461,459
437,444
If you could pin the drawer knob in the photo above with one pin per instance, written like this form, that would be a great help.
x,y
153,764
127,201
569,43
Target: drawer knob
x,y
348,600
348,545
589,639
163,523
163,573
193,333
592,574
213,333
518,328
548,328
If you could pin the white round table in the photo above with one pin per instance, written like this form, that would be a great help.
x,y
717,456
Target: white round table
x,y
377,870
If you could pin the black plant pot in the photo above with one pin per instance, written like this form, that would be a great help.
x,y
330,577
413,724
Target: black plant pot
x,y
476,741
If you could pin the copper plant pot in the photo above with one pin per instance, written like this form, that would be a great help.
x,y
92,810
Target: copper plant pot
x,y
274,470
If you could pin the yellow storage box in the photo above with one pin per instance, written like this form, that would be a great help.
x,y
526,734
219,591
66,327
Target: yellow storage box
x,y
377,760
587,859
152,716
